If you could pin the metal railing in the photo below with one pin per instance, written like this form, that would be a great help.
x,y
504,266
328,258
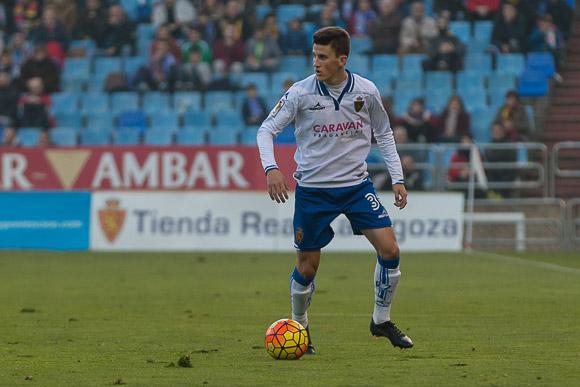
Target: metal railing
x,y
573,215
564,151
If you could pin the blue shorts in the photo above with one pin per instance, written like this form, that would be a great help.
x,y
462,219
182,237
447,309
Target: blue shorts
x,y
316,208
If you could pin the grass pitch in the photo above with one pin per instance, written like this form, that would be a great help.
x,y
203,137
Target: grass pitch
x,y
71,319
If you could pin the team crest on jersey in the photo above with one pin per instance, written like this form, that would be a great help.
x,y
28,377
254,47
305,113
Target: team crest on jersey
x,y
359,103
299,235
277,108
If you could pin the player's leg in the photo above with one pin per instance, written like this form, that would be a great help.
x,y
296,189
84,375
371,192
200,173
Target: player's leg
x,y
302,288
386,279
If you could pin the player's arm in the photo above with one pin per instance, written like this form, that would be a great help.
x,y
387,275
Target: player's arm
x,y
280,117
384,135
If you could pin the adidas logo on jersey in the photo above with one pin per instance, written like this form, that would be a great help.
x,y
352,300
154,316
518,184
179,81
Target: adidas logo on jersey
x,y
318,106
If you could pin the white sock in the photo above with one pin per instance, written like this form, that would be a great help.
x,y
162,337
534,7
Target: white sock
x,y
386,281
300,296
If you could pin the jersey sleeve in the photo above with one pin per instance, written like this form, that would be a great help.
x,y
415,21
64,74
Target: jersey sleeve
x,y
384,136
280,117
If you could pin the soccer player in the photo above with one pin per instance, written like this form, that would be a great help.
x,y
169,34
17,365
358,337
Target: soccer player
x,y
335,112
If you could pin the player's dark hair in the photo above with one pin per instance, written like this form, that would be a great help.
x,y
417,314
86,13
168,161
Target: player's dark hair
x,y
337,37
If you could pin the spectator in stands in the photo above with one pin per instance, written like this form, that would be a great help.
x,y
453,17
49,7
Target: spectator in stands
x,y
329,16
271,26
214,9
561,14
208,28
52,33
417,30
194,41
161,72
262,52
482,9
20,49
254,109
455,8
454,121
229,51
413,176
502,155
173,13
221,78
384,30
44,139
7,65
509,30
234,15
66,13
91,21
195,74
40,65
361,18
512,115
459,166
546,37
446,51
417,121
25,14
33,106
294,41
8,100
119,33
163,33
10,137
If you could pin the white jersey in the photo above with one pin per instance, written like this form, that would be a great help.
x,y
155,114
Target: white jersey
x,y
333,135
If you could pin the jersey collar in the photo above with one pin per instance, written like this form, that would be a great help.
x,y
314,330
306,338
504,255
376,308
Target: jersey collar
x,y
322,90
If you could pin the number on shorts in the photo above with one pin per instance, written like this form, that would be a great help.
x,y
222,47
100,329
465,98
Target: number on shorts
x,y
374,200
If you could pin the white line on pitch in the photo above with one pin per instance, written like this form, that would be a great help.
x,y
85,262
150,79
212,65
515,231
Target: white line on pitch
x,y
527,262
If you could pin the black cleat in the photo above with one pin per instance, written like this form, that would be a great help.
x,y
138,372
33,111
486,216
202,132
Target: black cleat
x,y
310,350
391,332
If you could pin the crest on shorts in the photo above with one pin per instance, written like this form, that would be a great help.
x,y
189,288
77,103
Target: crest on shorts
x,y
111,219
299,235
359,103
277,108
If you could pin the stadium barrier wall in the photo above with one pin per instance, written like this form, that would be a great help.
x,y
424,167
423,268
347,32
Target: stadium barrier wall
x,y
250,221
45,220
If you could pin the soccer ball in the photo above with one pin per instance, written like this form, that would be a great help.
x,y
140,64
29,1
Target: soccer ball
x,y
286,339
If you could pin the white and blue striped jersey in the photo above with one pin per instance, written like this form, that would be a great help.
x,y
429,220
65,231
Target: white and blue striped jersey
x,y
333,133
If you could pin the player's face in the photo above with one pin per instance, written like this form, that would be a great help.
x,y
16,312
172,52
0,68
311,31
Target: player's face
x,y
329,67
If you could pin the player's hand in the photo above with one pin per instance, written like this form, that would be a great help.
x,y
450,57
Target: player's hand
x,y
400,196
277,187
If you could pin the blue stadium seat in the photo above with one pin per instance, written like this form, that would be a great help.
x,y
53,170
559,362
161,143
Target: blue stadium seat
x,y
29,136
482,30
225,136
161,120
76,69
124,101
132,119
95,102
412,63
294,64
531,117
107,65
287,12
383,80
231,118
262,10
477,47
359,64
188,136
461,29
197,118
360,45
215,101
145,31
126,136
533,84
467,78
510,63
185,100
161,136
479,62
154,101
132,64
69,118
278,79
63,136
385,63
542,62
96,83
100,120
248,137
286,136
481,120
501,82
260,79
64,102
402,99
73,85
409,85
436,99
93,136
438,80
473,98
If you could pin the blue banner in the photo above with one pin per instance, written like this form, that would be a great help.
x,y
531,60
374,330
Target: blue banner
x,y
45,220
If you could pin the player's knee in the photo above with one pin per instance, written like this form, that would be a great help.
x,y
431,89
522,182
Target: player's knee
x,y
307,270
391,252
